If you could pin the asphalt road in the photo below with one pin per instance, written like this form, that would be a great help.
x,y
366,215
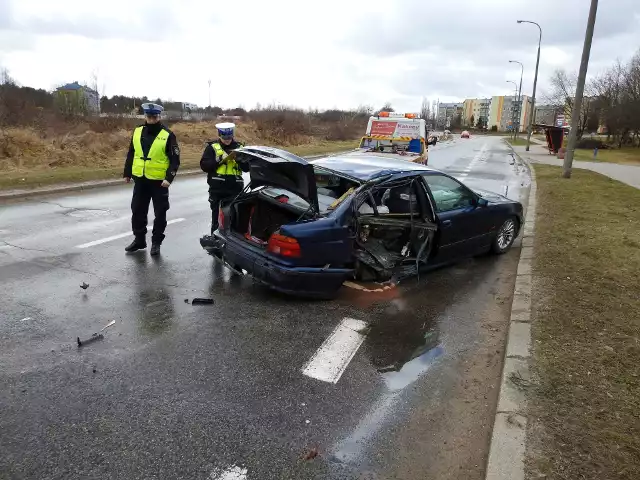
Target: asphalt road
x,y
182,391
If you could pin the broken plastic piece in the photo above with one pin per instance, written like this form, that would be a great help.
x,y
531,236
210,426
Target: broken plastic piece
x,y
112,322
202,301
93,338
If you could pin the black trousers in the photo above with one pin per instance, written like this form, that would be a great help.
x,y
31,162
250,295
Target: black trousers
x,y
216,196
146,191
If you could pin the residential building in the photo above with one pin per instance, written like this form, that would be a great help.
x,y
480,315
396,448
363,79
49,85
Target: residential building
x,y
448,112
506,113
79,99
474,109
547,114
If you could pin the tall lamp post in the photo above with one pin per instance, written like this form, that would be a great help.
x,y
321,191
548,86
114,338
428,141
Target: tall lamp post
x,y
535,83
519,96
513,115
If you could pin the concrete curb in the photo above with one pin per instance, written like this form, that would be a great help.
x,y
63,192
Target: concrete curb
x,y
507,449
73,187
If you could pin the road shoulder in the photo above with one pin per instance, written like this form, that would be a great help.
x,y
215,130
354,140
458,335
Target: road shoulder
x,y
507,449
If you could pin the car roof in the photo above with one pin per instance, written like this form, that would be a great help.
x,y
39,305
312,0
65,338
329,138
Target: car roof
x,y
367,167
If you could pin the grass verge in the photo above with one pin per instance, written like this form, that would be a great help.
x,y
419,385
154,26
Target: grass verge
x,y
520,142
190,159
586,329
625,156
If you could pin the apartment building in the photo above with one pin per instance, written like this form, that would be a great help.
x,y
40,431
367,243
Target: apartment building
x,y
474,109
448,112
507,113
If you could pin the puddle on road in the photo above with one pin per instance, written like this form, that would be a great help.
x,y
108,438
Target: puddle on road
x,y
402,345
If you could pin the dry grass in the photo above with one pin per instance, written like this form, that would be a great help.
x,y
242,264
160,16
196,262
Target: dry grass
x,y
586,330
519,142
625,156
31,157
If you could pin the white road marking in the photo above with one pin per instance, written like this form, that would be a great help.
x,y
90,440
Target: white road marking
x,y
232,473
332,358
121,235
479,157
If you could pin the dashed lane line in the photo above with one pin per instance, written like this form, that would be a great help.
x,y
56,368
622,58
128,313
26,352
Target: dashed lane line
x,y
121,235
334,355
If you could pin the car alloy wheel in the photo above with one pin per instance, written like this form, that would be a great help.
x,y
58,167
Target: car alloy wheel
x,y
506,234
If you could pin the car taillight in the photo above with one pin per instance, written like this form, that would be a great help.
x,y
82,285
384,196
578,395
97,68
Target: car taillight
x,y
220,219
283,245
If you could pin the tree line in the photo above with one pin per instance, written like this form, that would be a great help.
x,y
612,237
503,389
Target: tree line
x,y
611,100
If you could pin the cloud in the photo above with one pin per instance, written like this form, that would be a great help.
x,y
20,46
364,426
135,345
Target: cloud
x,y
142,20
334,53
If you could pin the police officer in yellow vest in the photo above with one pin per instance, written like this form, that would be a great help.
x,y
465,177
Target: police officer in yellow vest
x,y
153,161
224,175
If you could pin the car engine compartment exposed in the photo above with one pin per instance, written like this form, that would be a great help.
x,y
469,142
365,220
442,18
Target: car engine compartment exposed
x,y
394,242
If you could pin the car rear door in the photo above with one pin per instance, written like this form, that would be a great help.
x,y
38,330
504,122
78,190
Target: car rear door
x,y
463,226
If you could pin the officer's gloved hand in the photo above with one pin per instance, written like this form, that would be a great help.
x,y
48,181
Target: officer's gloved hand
x,y
165,184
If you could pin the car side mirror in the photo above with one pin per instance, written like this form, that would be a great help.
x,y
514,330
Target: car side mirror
x,y
482,202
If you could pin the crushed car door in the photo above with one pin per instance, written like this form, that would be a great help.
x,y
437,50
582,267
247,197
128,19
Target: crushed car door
x,y
393,231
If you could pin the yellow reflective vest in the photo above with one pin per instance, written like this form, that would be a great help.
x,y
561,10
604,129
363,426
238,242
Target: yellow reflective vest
x,y
230,167
154,166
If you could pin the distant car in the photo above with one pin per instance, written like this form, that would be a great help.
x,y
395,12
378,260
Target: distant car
x,y
465,134
304,228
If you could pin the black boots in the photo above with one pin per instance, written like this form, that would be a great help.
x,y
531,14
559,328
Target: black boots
x,y
137,244
155,249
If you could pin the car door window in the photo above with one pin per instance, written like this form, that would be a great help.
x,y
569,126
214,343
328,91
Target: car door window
x,y
449,194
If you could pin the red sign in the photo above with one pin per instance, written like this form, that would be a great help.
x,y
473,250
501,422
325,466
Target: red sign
x,y
383,128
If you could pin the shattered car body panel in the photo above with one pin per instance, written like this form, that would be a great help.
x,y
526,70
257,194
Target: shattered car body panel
x,y
305,228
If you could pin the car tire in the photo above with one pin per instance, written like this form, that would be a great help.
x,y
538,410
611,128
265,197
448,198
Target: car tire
x,y
505,237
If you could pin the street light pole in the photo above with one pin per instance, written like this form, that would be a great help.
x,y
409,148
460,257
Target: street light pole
x,y
519,96
582,76
513,115
535,83
209,93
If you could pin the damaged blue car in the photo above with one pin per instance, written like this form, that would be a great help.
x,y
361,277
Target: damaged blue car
x,y
304,227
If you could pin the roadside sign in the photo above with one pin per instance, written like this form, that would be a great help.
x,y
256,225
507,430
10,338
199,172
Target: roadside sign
x,y
560,121
383,128
408,128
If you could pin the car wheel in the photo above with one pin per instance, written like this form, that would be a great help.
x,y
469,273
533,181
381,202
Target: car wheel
x,y
505,236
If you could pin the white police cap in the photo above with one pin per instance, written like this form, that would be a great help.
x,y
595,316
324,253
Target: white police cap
x,y
152,108
225,129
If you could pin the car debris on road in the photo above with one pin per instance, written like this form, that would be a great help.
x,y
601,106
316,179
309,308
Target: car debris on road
x,y
202,301
91,339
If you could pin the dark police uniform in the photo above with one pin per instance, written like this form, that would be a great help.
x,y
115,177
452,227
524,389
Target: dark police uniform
x,y
223,176
154,156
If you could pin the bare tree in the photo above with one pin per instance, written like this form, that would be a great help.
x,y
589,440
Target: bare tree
x,y
425,110
618,100
562,96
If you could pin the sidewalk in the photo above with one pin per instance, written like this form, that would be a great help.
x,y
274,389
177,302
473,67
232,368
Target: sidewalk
x,y
628,174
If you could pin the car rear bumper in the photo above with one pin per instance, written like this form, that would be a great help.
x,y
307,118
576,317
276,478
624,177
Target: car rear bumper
x,y
300,281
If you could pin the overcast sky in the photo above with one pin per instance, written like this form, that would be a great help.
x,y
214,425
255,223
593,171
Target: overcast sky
x,y
333,53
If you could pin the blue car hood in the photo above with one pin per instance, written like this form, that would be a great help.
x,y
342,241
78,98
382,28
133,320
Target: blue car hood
x,y
492,196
